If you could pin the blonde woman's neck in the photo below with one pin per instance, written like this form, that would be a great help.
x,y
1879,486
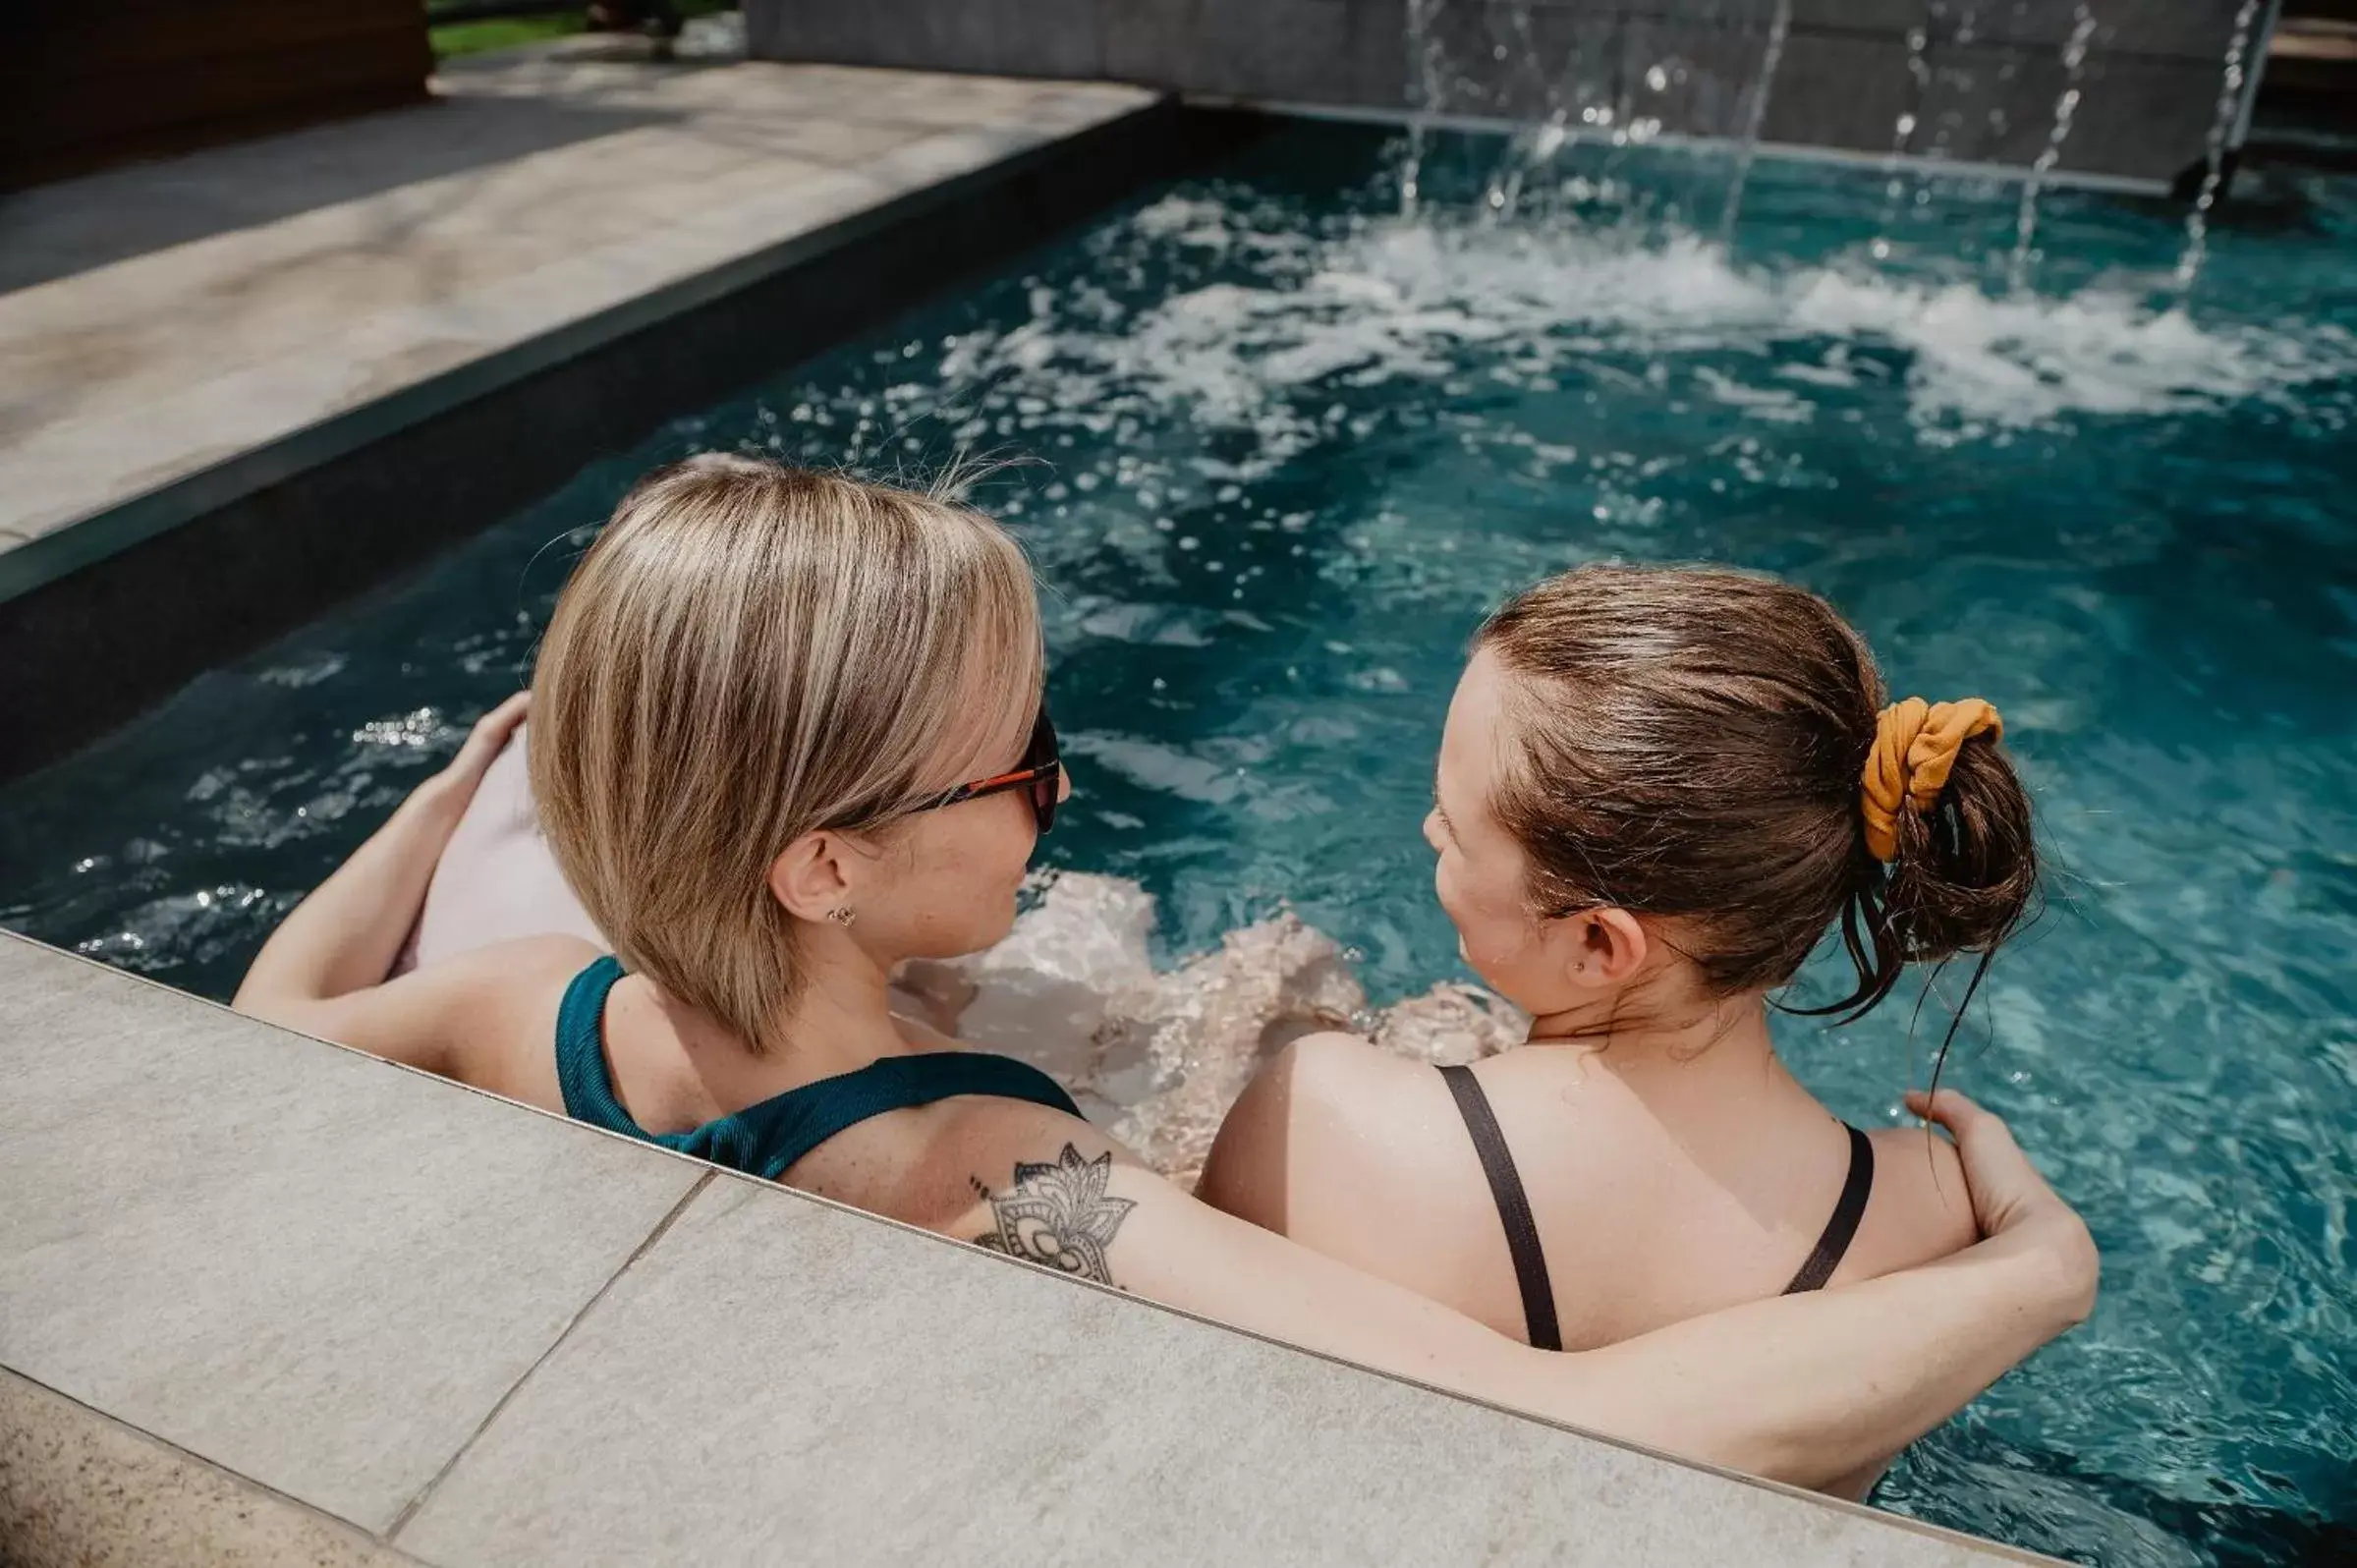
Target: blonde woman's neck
x,y
838,1022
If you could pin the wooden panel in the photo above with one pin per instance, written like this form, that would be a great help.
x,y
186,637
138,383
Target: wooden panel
x,y
102,81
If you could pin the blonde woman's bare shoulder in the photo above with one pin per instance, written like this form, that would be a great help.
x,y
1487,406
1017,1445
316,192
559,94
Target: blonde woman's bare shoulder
x,y
512,982
970,1146
516,966
541,954
922,1035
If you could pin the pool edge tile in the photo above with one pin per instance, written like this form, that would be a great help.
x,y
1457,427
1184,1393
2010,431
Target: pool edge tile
x,y
305,1265
780,1377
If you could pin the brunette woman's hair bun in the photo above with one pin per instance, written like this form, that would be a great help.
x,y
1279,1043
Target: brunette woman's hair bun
x,y
1713,747
1950,861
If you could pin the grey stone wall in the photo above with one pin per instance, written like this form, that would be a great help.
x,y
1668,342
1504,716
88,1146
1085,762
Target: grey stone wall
x,y
1935,79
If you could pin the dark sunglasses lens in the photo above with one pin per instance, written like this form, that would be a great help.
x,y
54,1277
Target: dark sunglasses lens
x,y
1047,789
1042,748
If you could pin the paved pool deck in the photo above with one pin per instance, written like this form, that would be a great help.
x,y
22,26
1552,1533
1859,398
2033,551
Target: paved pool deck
x,y
174,334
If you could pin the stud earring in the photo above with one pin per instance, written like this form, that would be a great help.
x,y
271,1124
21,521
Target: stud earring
x,y
842,913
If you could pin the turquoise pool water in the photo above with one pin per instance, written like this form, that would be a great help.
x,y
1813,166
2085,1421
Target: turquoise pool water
x,y
1286,448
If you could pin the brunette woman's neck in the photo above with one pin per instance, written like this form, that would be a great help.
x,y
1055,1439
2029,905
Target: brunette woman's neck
x,y
1632,1035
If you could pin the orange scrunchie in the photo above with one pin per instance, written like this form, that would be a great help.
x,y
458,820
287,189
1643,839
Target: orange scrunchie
x,y
1915,750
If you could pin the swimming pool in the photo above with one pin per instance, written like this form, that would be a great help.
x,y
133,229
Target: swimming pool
x,y
1286,448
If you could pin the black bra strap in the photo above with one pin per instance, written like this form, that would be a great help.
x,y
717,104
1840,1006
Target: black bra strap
x,y
1513,1209
1844,1226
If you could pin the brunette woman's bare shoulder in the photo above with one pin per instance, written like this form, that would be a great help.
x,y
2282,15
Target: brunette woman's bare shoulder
x,y
1350,1074
1328,1115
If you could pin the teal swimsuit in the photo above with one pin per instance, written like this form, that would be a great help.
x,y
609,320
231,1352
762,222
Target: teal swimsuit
x,y
763,1140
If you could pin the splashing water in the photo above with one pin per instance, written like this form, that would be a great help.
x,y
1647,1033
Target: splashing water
x,y
1902,130
1158,1055
1755,116
1425,59
2230,109
2066,107
1392,301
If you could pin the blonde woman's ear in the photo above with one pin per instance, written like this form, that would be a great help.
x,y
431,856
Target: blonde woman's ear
x,y
810,879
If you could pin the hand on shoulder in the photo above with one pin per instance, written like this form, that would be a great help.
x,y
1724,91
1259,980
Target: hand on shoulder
x,y
2012,1201
1920,1175
455,785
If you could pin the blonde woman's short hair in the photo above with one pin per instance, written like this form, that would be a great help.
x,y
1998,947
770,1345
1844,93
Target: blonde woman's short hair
x,y
748,653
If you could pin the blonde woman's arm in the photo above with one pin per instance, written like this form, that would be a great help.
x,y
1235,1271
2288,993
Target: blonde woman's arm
x,y
1802,1388
343,938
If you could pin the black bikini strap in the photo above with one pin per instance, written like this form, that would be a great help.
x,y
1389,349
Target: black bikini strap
x,y
1513,1209
1844,1226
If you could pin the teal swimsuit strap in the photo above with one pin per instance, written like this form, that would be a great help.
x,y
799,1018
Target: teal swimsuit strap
x,y
771,1136
765,1139
581,1071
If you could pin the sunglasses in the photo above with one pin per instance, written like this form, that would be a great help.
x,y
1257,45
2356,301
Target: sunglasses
x,y
1039,772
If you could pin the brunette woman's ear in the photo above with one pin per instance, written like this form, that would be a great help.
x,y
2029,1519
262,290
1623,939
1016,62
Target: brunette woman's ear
x,y
811,878
1610,946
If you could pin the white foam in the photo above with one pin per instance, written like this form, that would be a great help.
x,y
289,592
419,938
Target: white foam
x,y
1157,1056
1397,301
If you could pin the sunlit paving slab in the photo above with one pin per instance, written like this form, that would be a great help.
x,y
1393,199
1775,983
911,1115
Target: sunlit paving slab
x,y
289,1300
160,321
306,1265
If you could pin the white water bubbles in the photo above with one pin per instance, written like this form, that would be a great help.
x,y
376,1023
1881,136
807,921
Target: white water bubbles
x,y
1159,1054
1302,310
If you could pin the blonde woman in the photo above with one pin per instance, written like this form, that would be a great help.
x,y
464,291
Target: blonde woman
x,y
787,735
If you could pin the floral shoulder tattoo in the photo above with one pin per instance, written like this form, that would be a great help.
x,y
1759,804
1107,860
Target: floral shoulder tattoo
x,y
1058,1214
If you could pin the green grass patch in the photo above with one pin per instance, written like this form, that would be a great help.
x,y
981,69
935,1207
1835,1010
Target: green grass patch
x,y
459,38
480,38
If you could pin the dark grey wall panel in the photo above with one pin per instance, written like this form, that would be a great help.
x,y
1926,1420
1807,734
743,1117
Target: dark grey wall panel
x,y
1842,89
1982,81
2130,104
997,37
1307,52
1149,40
